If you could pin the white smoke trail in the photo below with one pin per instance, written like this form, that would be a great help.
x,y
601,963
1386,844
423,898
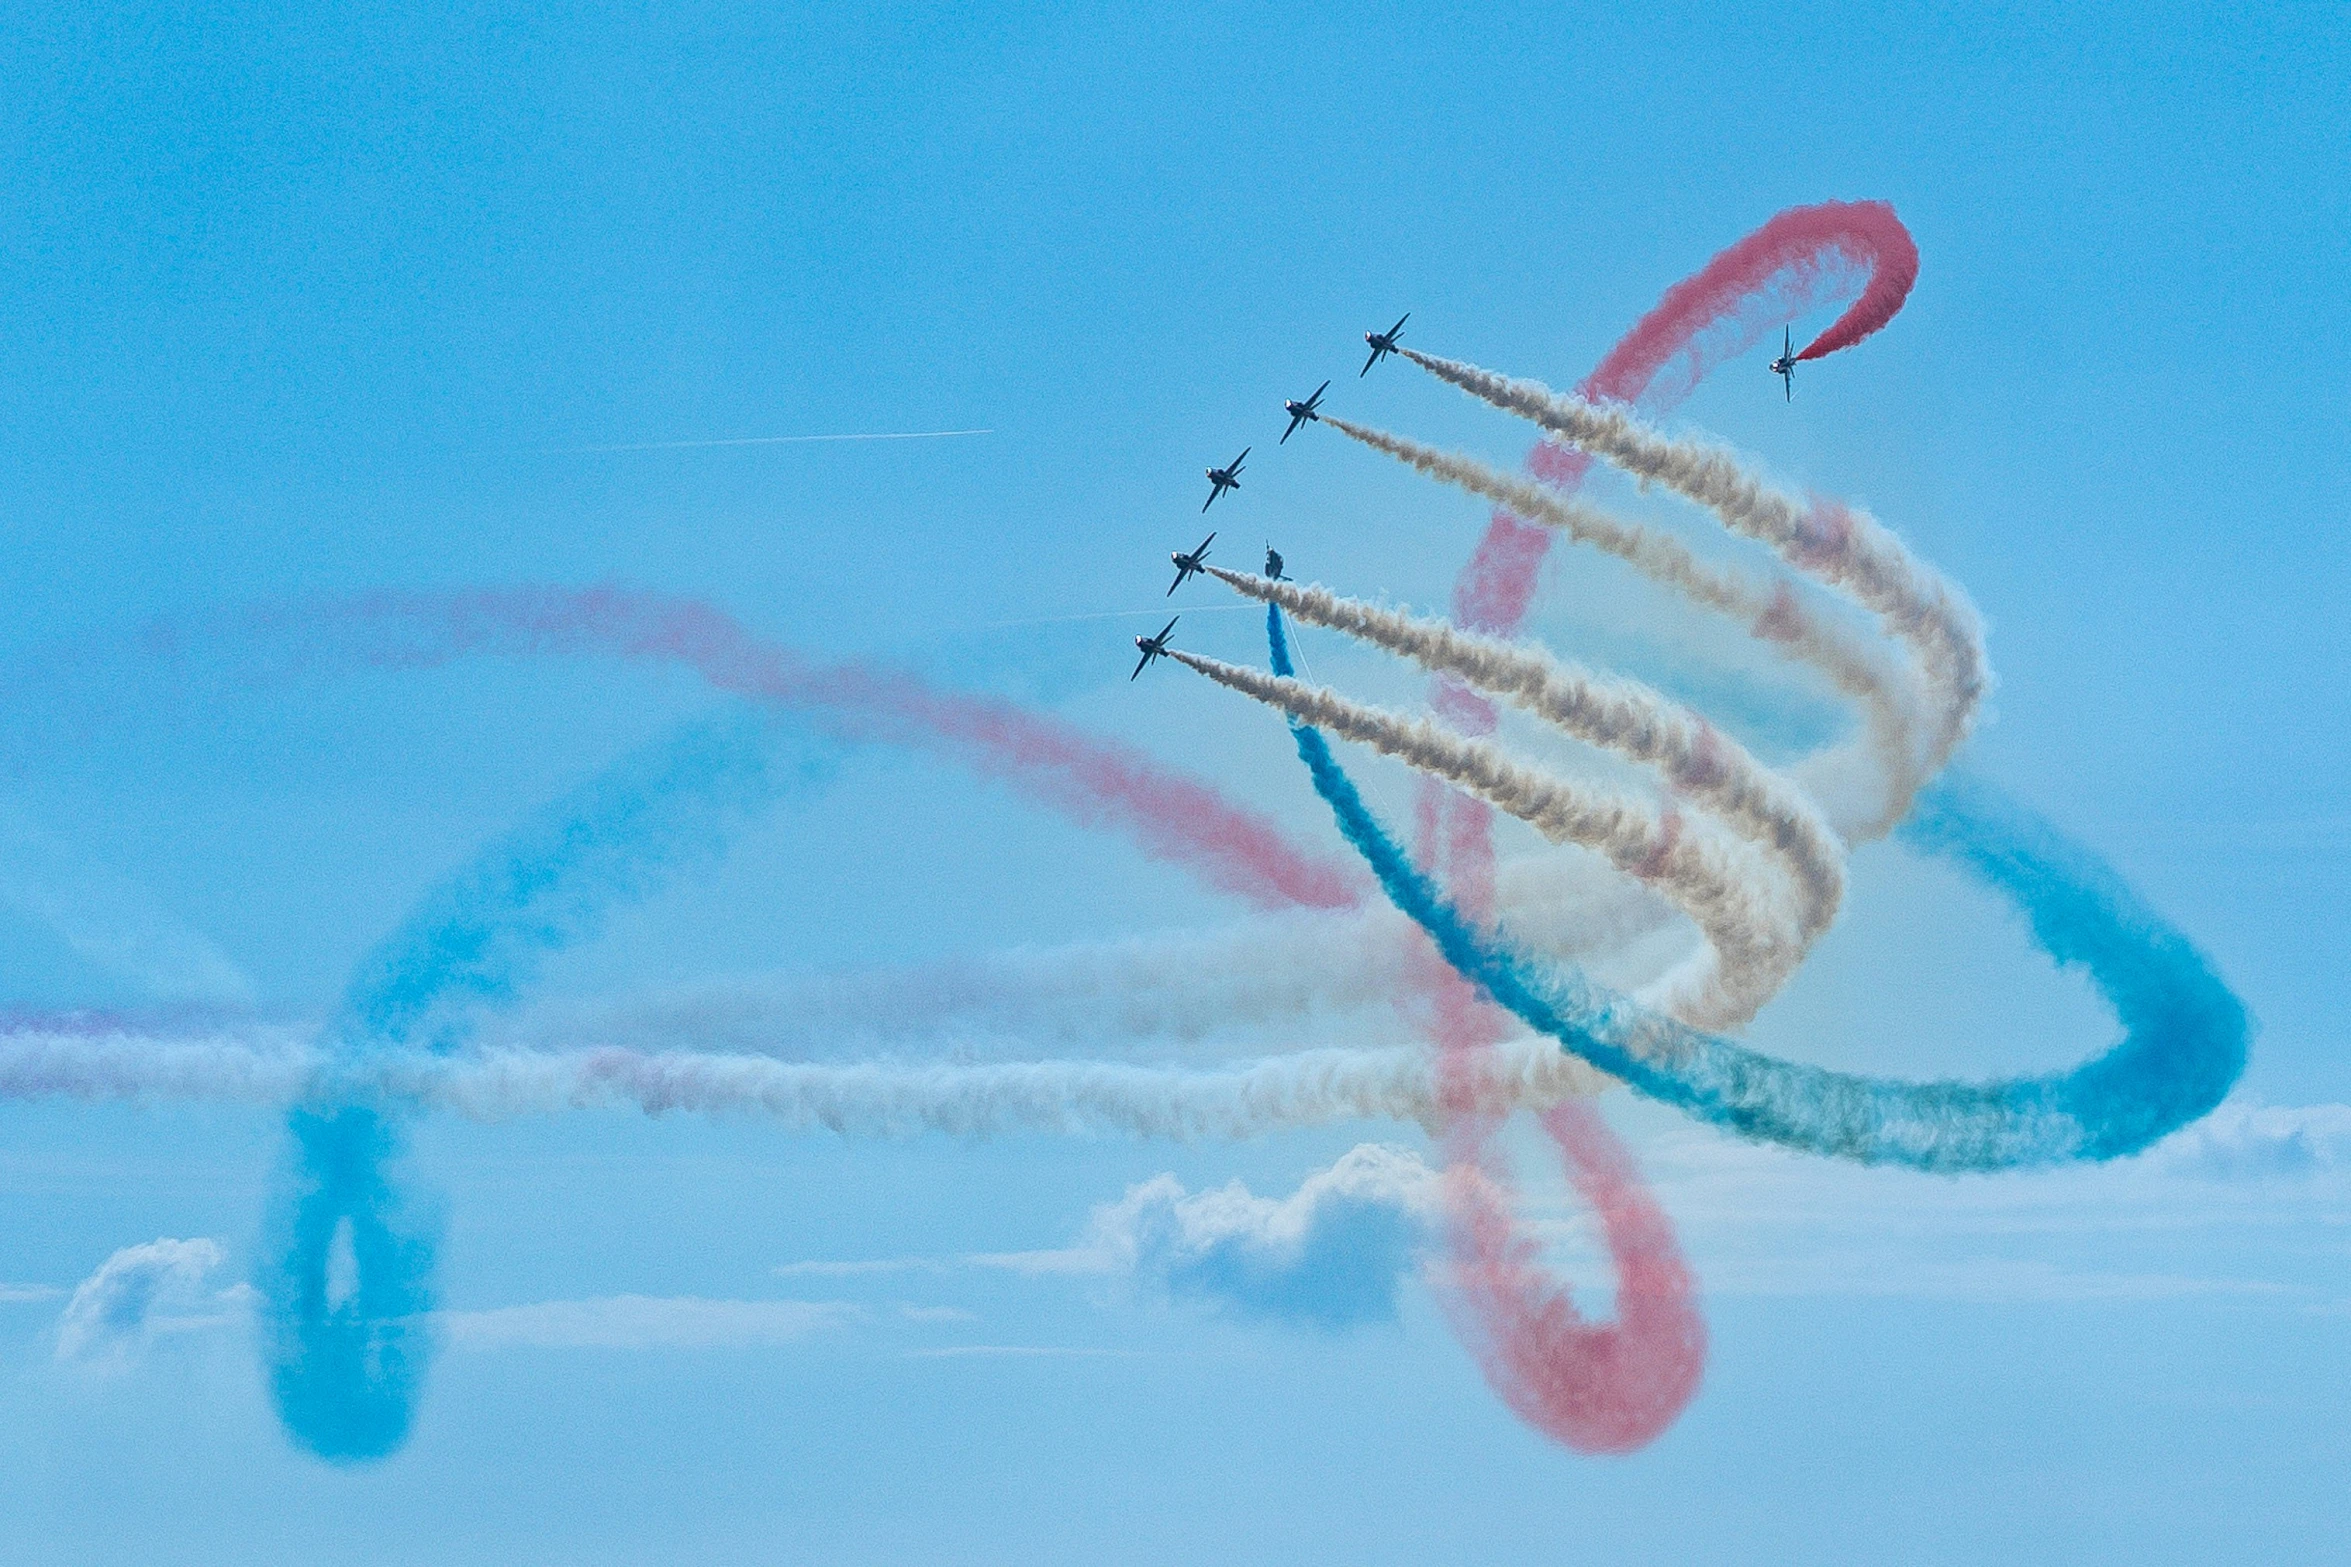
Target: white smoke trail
x,y
1708,768
1287,980
1848,550
1658,556
864,1098
1753,944
1774,613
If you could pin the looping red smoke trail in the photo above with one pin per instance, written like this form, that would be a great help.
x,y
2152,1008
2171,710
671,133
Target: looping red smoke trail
x,y
1610,1388
1719,312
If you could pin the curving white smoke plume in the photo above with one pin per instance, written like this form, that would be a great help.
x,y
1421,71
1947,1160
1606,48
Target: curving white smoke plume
x,y
1889,701
1261,982
1846,549
1705,767
1753,943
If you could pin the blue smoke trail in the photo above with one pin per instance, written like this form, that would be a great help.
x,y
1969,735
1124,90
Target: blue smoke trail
x,y
350,1296
2184,1033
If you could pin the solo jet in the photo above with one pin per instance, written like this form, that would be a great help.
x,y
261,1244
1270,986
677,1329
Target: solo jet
x,y
1223,479
1273,564
1382,344
1153,647
1188,565
1300,412
1785,366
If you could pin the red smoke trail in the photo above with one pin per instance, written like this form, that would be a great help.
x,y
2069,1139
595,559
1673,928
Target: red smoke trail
x,y
1092,781
1607,1387
1797,254
1595,1387
1719,312
1610,1388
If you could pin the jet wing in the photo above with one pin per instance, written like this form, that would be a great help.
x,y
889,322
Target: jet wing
x,y
1367,364
1141,662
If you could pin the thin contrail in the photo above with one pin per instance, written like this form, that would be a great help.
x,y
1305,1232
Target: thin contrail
x,y
765,440
1847,549
1111,614
1707,767
1771,611
1753,944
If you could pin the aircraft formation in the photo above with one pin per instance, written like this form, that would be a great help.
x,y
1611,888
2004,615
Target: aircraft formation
x,y
1190,563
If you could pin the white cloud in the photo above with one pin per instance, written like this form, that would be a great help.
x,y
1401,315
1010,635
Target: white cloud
x,y
1330,1253
645,1322
2243,1141
912,1313
142,1291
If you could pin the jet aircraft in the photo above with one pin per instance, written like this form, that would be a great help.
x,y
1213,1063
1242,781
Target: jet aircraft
x,y
1785,366
1188,565
1223,479
1382,344
1153,647
1300,412
1273,564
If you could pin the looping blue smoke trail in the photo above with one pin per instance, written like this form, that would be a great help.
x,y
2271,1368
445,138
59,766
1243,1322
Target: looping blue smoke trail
x,y
349,1297
2184,1033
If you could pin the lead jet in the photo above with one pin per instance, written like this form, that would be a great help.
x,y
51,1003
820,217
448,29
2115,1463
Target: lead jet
x,y
1223,479
1785,366
1382,344
1152,647
1300,412
1188,565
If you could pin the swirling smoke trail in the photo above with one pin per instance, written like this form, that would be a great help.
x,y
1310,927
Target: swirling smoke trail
x,y
2183,1046
348,1298
2185,1034
1494,592
1608,1388
1792,263
1796,248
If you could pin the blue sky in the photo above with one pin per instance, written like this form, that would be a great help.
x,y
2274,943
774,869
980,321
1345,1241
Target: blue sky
x,y
310,301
